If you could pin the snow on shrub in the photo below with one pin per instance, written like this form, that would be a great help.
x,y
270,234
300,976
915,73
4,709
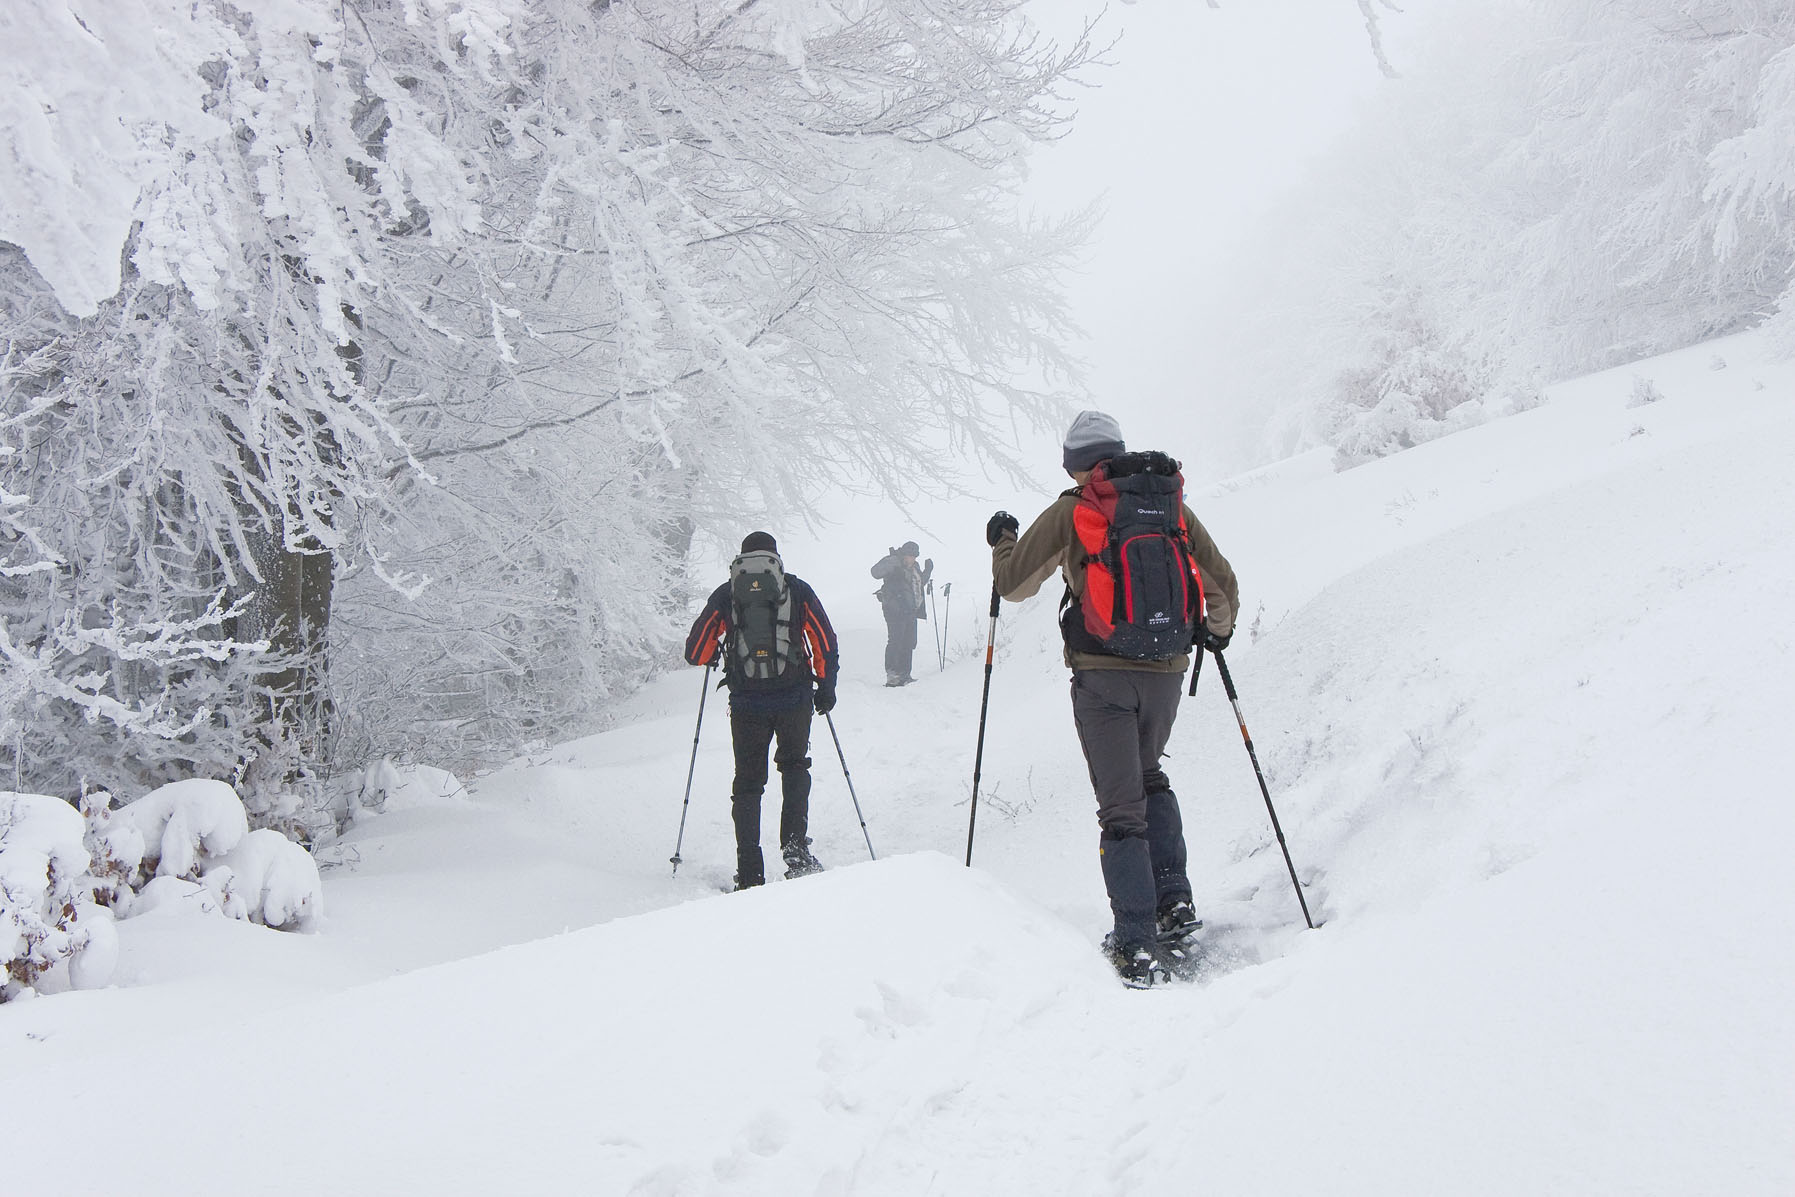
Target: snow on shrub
x,y
173,895
52,933
268,879
65,873
114,849
378,781
197,832
386,786
183,824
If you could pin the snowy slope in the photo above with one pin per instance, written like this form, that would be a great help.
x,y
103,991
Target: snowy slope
x,y
1522,697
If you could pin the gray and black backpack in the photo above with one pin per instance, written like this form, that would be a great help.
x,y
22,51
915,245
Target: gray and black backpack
x,y
763,648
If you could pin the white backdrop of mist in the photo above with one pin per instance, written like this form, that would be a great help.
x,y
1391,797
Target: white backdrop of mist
x,y
1550,189
1204,121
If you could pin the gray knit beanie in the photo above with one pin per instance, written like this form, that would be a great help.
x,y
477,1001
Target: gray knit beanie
x,y
1093,437
759,542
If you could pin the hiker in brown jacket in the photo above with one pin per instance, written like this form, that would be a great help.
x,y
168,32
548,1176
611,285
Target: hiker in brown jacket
x,y
1123,706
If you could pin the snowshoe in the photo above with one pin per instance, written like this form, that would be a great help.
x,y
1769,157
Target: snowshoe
x,y
1178,921
1141,966
799,862
1183,958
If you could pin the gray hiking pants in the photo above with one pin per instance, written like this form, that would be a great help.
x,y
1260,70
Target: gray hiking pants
x,y
1124,717
900,640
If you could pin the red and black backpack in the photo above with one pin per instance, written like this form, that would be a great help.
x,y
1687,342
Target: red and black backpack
x,y
1143,596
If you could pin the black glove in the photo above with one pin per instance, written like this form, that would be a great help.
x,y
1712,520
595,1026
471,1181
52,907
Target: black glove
x,y
825,701
1215,643
997,525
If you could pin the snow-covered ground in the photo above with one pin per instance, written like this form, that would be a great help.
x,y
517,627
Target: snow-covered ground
x,y
1523,698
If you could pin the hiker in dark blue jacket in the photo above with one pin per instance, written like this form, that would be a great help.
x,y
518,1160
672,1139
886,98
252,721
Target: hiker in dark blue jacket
x,y
779,661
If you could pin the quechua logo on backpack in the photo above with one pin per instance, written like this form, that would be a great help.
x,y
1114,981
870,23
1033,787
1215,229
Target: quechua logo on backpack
x,y
1142,594
760,648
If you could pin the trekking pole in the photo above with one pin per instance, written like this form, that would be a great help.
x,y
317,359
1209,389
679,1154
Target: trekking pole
x,y
702,695
845,775
984,703
1234,697
935,626
1196,664
947,619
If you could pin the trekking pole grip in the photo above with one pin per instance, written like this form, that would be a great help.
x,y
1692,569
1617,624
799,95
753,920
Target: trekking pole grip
x,y
1227,680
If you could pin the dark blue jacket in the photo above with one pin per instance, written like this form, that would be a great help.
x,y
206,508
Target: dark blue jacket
x,y
810,628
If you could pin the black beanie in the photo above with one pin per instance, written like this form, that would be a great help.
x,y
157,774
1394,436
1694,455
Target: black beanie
x,y
759,542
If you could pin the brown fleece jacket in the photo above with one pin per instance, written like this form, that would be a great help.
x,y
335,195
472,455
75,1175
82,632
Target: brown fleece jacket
x,y
1020,565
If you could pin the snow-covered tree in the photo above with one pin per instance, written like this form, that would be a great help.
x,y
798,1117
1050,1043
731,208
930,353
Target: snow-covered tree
x,y
768,257
1558,187
442,327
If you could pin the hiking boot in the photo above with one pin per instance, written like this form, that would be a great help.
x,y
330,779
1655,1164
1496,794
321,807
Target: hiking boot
x,y
892,679
1140,965
750,868
1177,920
799,862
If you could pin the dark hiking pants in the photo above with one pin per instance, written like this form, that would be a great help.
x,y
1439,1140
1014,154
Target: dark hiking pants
x,y
900,640
1124,717
752,733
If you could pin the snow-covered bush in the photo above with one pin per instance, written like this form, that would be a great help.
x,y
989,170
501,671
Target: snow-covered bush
x,y
1413,386
268,879
52,933
1645,391
385,785
191,840
182,825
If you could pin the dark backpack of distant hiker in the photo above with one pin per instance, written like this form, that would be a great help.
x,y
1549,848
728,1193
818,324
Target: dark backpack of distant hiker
x,y
1143,595
762,651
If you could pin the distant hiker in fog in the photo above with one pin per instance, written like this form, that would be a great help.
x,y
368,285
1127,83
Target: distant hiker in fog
x,y
901,591
779,662
1144,584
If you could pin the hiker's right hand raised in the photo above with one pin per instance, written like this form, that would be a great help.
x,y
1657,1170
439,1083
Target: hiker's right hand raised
x,y
999,524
